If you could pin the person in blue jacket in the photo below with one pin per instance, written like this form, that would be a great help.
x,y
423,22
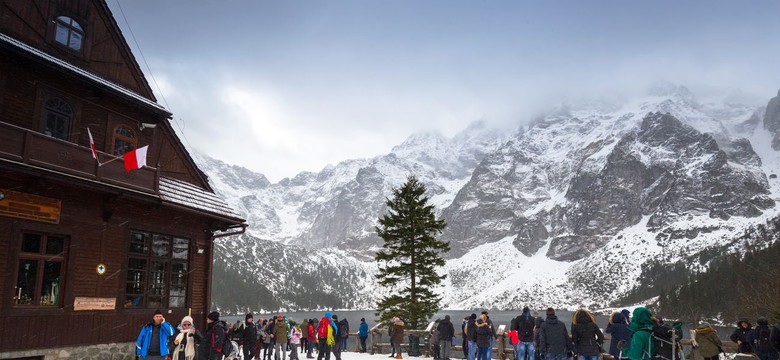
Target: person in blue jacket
x,y
363,334
152,341
621,335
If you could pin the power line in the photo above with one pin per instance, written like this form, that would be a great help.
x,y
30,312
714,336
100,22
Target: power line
x,y
151,74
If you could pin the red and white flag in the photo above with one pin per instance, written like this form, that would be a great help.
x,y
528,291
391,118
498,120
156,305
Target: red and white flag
x,y
92,145
136,159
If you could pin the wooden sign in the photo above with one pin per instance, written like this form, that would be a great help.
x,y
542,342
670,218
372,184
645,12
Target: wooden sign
x,y
93,303
29,207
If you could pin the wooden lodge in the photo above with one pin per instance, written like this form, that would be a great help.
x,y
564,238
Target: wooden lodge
x,y
88,251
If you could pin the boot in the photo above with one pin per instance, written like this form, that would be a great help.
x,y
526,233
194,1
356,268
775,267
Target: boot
x,y
399,356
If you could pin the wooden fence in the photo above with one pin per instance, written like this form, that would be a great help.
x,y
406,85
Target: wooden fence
x,y
379,342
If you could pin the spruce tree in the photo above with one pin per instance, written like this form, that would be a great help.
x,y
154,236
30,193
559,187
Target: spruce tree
x,y
410,256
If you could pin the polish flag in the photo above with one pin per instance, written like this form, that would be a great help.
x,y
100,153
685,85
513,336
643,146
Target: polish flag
x,y
135,159
92,145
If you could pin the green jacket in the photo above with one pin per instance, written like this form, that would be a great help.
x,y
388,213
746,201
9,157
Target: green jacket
x,y
281,331
708,340
642,347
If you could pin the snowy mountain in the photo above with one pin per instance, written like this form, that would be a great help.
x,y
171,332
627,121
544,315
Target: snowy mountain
x,y
562,212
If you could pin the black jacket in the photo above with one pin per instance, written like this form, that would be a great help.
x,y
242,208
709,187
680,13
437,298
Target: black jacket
x,y
471,330
586,335
249,335
483,334
524,325
446,330
553,337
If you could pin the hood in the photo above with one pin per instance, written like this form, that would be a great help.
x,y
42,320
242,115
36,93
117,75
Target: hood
x,y
551,319
526,311
447,318
746,321
617,318
582,317
328,314
641,319
705,329
762,321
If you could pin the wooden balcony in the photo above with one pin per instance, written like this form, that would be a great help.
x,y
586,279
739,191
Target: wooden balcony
x,y
37,150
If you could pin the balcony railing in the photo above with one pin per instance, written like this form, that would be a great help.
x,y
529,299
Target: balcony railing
x,y
35,149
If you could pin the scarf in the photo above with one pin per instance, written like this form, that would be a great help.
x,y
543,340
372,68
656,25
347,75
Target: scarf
x,y
186,343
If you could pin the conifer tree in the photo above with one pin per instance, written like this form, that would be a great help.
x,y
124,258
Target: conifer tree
x,y
410,256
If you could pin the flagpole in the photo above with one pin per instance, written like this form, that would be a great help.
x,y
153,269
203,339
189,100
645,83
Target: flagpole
x,y
114,159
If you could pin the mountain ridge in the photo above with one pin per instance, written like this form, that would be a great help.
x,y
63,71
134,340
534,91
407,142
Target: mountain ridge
x,y
582,182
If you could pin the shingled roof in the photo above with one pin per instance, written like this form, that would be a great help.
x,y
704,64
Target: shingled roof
x,y
75,70
185,194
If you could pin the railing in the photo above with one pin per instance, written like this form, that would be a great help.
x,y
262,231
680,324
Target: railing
x,y
23,146
502,349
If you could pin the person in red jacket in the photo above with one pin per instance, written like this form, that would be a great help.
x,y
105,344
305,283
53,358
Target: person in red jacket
x,y
311,337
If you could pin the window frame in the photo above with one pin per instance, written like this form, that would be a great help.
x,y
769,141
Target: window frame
x,y
71,29
46,111
42,257
147,272
115,136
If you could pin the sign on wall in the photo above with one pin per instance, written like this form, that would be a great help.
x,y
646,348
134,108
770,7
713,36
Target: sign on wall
x,y
93,303
29,207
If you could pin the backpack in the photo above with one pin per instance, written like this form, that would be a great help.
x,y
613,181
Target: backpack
x,y
343,329
322,331
763,339
525,327
226,348
664,342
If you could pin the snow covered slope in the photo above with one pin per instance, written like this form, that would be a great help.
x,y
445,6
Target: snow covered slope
x,y
564,211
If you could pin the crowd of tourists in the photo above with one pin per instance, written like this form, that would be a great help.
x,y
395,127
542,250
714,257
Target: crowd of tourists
x,y
267,339
634,336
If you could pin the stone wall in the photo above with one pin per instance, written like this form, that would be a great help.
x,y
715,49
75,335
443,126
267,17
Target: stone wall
x,y
114,351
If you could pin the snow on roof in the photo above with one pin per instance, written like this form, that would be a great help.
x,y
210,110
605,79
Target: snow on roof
x,y
185,194
81,72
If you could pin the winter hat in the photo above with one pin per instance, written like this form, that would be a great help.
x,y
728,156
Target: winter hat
x,y
762,321
335,317
550,311
187,319
362,319
213,316
526,310
249,316
158,312
625,313
473,316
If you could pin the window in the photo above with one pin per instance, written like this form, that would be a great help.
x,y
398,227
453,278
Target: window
x,y
124,140
41,270
157,271
69,33
57,116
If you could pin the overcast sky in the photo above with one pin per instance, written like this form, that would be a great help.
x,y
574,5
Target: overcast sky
x,y
286,86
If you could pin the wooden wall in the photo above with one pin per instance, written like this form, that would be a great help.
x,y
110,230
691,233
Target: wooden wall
x,y
92,241
105,52
25,85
